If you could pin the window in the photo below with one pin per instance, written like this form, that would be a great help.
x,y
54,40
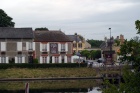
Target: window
x,y
19,46
3,59
19,59
69,59
80,45
44,59
30,45
74,45
62,47
56,59
3,46
44,47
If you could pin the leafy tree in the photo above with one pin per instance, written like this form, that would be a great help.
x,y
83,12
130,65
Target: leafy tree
x,y
137,23
95,43
85,53
130,52
91,54
98,54
42,28
5,20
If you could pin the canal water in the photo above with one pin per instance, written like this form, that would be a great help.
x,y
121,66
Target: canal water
x,y
65,86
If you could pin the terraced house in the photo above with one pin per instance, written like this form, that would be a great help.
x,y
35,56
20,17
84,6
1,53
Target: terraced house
x,y
16,45
53,47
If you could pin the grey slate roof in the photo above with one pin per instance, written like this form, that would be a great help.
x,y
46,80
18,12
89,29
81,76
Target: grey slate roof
x,y
16,33
51,36
74,38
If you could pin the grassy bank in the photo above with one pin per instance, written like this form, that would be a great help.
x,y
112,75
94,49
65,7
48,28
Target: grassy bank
x,y
50,84
47,72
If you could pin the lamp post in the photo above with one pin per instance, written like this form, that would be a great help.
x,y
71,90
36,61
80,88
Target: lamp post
x,y
76,41
110,47
77,53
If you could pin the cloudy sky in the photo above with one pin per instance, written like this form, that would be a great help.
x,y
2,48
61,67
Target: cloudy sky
x,y
89,18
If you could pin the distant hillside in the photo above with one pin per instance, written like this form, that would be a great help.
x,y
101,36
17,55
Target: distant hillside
x,y
95,43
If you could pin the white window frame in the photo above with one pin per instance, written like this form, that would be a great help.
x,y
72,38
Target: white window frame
x,y
44,59
3,59
19,59
44,47
19,46
30,45
56,59
3,46
63,47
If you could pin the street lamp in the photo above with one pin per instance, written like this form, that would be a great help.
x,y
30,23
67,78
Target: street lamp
x,y
110,47
77,53
76,41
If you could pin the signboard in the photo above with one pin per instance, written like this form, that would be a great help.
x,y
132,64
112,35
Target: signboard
x,y
53,48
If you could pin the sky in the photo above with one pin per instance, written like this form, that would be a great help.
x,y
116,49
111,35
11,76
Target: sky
x,y
89,18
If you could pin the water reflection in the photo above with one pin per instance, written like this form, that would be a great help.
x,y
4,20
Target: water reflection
x,y
69,86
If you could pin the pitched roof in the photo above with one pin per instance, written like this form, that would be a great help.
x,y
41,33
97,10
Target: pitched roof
x,y
51,36
15,33
74,38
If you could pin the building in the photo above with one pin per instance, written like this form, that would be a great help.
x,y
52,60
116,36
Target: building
x,y
79,43
16,45
107,51
111,47
53,47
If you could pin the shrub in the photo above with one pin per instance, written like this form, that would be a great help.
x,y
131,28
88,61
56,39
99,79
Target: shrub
x,y
35,61
55,65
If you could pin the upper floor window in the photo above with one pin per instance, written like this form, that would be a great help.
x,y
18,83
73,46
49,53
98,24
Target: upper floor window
x,y
62,47
3,46
80,45
44,47
30,45
19,46
74,45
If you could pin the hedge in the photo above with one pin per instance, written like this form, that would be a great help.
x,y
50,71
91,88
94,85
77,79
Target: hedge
x,y
55,65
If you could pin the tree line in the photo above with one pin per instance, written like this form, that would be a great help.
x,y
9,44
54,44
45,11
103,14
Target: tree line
x,y
95,43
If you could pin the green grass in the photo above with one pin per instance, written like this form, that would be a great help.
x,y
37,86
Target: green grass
x,y
46,72
50,84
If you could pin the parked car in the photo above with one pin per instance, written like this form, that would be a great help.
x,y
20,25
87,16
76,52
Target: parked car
x,y
101,60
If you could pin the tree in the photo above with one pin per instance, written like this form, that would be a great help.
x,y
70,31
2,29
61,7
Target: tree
x,y
86,53
130,52
5,20
137,23
42,28
98,54
95,43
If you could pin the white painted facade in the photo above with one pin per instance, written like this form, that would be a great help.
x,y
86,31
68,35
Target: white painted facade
x,y
28,48
55,59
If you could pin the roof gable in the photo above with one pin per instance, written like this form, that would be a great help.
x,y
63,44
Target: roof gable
x,y
15,33
51,36
74,38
